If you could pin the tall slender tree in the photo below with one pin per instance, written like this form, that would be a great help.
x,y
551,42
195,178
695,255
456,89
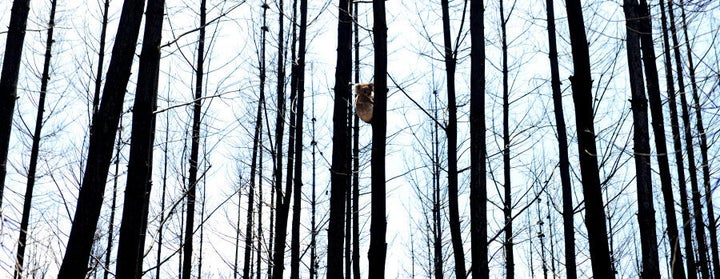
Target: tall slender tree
x,y
581,82
478,151
35,149
131,246
507,201
340,169
102,136
194,149
297,198
9,78
564,163
641,138
378,224
689,147
712,225
356,157
451,130
644,25
677,146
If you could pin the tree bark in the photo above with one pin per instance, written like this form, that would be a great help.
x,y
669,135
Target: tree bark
x,y
507,201
677,146
356,158
641,138
9,78
297,198
35,149
644,25
195,146
451,129
692,168
139,179
712,225
581,83
564,163
478,151
378,224
102,137
340,169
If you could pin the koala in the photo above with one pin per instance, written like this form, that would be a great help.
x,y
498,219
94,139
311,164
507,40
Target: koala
x,y
364,100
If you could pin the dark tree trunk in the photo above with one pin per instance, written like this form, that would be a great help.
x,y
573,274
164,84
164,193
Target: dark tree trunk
x,y
581,83
254,165
451,129
313,230
653,90
378,224
712,225
356,159
159,260
297,198
139,179
195,146
111,223
641,139
9,79
478,152
102,136
692,168
340,170
437,216
507,201
677,146
35,150
101,58
564,164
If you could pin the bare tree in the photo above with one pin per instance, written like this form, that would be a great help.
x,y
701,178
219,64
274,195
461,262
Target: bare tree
x,y
478,149
582,96
102,137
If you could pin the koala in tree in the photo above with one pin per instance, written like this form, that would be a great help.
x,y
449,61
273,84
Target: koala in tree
x,y
364,100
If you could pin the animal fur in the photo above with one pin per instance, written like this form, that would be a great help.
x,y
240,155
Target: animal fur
x,y
364,101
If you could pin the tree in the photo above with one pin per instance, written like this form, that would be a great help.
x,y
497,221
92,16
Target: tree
x,y
692,168
564,164
677,147
131,246
35,150
9,79
644,25
194,149
340,169
507,201
582,96
102,136
641,138
451,130
378,224
478,149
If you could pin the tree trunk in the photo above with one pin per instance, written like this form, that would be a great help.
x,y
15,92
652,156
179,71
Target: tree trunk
x,y
378,224
101,58
641,138
692,168
564,164
356,159
451,129
653,89
437,216
677,146
139,179
9,78
340,169
712,225
162,198
297,198
35,150
582,96
102,137
313,230
193,172
254,164
507,201
478,151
